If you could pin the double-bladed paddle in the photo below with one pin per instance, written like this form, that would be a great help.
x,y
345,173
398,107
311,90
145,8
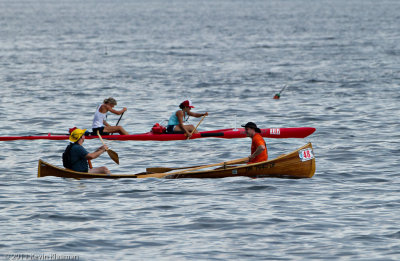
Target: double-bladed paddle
x,y
113,155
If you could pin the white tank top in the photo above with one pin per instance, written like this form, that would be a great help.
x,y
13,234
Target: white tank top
x,y
99,118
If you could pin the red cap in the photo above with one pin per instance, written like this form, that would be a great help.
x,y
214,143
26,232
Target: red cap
x,y
187,103
72,129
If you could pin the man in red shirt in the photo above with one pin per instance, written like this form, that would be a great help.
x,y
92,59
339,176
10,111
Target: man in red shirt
x,y
258,147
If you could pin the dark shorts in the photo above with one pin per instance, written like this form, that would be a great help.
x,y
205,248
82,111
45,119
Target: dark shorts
x,y
101,130
170,128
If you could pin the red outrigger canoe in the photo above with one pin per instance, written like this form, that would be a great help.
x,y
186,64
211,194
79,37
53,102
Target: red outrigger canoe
x,y
280,133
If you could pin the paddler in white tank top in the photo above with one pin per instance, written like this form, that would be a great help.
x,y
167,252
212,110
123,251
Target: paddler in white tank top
x,y
175,123
99,120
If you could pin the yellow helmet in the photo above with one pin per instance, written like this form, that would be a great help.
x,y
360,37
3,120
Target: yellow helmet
x,y
76,135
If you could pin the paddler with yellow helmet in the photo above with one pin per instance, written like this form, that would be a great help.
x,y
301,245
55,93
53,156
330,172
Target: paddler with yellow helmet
x,y
75,156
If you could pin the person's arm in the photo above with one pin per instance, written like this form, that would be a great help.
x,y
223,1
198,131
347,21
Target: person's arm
x,y
197,115
258,151
179,114
118,112
97,153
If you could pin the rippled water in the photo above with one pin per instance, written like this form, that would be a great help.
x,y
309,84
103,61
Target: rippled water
x,y
340,60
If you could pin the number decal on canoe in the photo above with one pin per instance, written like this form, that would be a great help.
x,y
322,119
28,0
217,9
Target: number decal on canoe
x,y
306,154
275,131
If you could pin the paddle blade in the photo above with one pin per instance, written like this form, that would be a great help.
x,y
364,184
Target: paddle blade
x,y
113,155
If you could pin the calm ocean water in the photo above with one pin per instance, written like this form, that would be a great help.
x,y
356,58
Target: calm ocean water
x,y
341,63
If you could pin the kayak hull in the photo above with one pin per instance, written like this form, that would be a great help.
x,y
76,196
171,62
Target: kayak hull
x,y
277,133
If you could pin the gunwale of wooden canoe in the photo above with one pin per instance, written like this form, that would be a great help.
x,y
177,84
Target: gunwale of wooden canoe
x,y
47,169
288,165
285,166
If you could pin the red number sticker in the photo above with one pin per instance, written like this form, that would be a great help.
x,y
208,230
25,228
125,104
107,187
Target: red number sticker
x,y
306,154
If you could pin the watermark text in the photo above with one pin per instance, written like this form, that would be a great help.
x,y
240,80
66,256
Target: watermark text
x,y
40,257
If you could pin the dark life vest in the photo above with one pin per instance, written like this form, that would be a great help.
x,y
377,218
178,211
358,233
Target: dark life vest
x,y
66,156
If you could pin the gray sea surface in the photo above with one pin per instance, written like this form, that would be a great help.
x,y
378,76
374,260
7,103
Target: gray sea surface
x,y
339,59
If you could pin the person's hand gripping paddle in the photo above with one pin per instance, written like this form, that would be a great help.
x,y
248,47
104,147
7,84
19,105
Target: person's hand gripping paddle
x,y
196,127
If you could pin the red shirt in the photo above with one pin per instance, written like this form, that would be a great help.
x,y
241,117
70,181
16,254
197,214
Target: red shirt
x,y
256,142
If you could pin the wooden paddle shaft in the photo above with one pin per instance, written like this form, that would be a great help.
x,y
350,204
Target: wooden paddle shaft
x,y
98,134
112,154
165,169
162,175
196,127
211,165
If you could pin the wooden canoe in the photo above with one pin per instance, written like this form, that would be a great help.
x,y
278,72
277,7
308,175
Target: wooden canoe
x,y
297,164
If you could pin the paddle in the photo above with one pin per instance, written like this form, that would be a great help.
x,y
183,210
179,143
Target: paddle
x,y
118,121
196,127
113,155
161,175
119,118
165,169
278,95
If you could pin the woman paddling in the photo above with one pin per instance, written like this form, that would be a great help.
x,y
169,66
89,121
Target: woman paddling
x,y
99,120
175,123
